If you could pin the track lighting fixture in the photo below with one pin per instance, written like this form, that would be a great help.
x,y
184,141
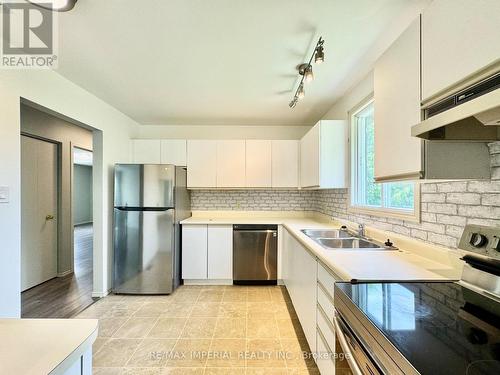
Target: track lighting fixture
x,y
308,75
301,93
306,71
319,57
54,5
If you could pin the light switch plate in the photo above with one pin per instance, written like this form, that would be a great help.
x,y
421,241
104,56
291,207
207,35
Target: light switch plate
x,y
4,194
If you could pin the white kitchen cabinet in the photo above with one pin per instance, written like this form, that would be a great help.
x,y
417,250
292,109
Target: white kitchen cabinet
x,y
397,108
201,164
194,252
459,38
146,151
300,278
207,252
231,163
173,151
220,252
258,163
323,155
285,164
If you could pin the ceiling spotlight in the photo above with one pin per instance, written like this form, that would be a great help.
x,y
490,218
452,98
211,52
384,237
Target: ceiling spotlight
x,y
55,5
319,57
306,71
301,92
308,75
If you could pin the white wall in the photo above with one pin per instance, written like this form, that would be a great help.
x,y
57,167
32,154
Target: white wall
x,y
351,98
82,194
111,144
221,132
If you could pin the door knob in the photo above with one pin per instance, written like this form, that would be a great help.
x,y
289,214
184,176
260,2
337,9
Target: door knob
x,y
49,217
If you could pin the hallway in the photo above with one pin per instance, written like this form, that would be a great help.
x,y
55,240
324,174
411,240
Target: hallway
x,y
64,297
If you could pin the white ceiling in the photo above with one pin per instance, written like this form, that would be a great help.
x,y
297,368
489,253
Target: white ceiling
x,y
223,61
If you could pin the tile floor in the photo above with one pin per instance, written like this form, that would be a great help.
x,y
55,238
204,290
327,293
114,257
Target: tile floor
x,y
200,330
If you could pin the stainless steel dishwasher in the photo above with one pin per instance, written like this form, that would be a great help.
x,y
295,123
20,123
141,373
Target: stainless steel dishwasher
x,y
255,254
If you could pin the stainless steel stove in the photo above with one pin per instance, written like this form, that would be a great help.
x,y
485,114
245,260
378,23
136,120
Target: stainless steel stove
x,y
426,327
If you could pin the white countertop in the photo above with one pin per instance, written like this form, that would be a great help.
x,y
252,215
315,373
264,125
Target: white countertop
x,y
359,264
370,265
40,346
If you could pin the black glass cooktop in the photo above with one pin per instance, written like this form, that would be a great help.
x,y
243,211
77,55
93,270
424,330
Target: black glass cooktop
x,y
441,328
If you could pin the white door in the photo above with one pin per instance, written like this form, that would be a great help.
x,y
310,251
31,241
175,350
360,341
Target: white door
x,y
39,210
285,163
258,163
220,252
201,163
147,151
397,85
231,163
459,38
194,252
173,151
309,158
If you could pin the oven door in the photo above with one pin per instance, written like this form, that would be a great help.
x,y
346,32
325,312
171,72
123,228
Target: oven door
x,y
358,359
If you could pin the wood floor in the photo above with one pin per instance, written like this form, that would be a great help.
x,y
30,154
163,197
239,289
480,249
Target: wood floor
x,y
64,297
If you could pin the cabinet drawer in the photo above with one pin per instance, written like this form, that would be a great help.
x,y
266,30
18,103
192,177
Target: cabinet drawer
x,y
325,363
326,279
326,328
326,303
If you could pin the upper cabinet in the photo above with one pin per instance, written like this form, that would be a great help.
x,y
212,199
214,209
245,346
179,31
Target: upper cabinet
x,y
159,151
243,164
397,108
231,163
146,151
201,163
259,163
459,38
285,163
173,151
323,155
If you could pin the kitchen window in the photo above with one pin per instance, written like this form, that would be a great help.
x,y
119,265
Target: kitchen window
x,y
397,199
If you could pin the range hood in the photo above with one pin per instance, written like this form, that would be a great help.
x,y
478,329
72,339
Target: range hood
x,y
471,114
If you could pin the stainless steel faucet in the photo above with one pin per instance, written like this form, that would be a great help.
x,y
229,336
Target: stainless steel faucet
x,y
361,230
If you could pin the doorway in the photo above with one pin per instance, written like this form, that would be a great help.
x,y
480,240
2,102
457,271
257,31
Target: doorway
x,y
57,277
82,216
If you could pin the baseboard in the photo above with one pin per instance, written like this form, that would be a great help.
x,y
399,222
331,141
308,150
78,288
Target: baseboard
x,y
65,273
100,294
208,282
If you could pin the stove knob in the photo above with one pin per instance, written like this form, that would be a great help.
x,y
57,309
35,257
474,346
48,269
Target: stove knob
x,y
478,240
477,336
496,243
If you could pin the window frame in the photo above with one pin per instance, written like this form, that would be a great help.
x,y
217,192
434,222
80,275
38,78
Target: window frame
x,y
403,214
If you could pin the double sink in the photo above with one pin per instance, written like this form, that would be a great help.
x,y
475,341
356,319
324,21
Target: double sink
x,y
342,239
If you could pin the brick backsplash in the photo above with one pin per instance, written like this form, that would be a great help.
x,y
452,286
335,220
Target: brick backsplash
x,y
446,207
251,200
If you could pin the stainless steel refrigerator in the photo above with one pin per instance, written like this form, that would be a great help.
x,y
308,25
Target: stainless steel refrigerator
x,y
149,202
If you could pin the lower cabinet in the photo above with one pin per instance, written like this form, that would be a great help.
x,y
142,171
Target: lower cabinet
x,y
310,285
194,252
220,251
81,366
207,252
300,278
